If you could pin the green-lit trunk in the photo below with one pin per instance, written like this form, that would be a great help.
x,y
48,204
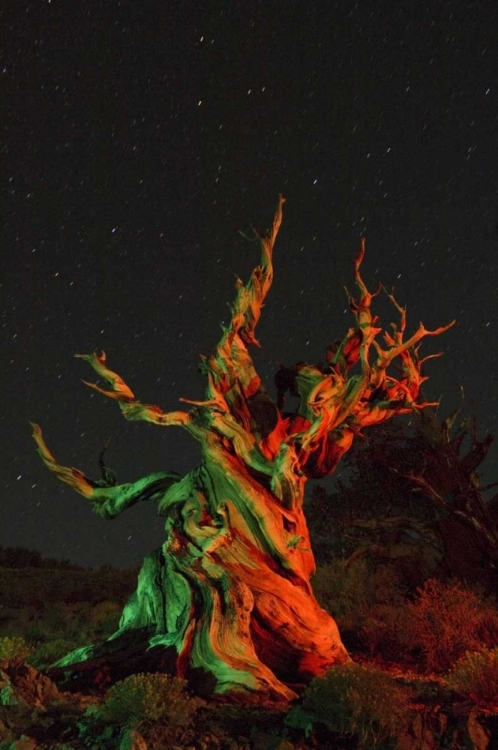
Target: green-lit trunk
x,y
230,588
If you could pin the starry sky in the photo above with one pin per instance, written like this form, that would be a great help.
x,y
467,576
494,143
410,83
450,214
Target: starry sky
x,y
142,138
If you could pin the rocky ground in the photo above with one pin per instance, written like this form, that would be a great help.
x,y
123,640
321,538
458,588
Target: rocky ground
x,y
36,715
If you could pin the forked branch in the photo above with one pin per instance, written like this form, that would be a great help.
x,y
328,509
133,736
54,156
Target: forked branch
x,y
337,403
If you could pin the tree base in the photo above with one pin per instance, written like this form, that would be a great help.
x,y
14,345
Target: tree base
x,y
284,642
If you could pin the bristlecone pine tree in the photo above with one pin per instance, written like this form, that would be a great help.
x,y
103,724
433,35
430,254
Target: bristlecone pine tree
x,y
229,593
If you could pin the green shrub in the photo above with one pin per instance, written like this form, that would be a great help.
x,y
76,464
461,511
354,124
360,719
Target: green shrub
x,y
106,614
78,622
476,675
349,591
354,700
383,632
47,622
446,620
149,697
15,646
48,653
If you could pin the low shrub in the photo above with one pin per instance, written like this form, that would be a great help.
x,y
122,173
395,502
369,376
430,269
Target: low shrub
x,y
442,623
49,621
46,654
446,620
383,632
15,646
105,615
349,591
149,697
476,676
356,701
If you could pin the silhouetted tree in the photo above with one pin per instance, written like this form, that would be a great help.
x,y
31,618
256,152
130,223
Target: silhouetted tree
x,y
416,483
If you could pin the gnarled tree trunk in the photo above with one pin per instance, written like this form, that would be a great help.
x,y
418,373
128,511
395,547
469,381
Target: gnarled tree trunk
x,y
230,591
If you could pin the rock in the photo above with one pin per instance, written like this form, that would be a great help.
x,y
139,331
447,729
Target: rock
x,y
8,695
264,740
23,743
478,734
450,727
20,682
284,745
132,740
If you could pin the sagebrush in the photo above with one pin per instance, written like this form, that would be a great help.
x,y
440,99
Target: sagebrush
x,y
12,647
447,620
149,697
476,675
356,701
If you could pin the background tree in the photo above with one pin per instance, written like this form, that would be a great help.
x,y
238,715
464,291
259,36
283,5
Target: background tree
x,y
229,593
414,497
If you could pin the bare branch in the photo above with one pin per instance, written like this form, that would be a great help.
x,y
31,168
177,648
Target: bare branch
x,y
108,501
341,404
73,477
132,410
119,387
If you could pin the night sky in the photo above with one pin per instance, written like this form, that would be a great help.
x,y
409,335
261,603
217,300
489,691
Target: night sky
x,y
142,137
